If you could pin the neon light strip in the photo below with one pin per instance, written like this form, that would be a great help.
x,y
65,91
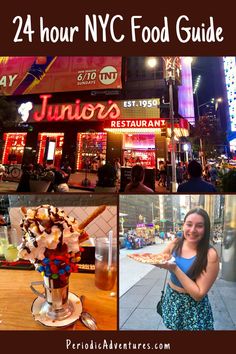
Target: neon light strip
x,y
185,92
230,81
40,149
133,130
5,148
8,136
78,151
52,134
49,135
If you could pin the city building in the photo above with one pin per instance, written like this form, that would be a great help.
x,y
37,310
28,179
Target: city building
x,y
91,110
229,65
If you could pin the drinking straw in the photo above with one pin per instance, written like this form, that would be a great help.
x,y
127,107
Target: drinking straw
x,y
110,236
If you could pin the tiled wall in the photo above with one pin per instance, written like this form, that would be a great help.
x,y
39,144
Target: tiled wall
x,y
63,199
99,227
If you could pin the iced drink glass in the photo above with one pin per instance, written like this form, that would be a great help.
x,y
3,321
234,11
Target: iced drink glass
x,y
105,263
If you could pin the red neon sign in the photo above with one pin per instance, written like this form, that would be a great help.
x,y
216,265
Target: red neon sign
x,y
70,112
136,123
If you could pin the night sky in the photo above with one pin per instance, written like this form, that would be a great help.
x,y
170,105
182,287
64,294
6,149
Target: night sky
x,y
211,71
212,81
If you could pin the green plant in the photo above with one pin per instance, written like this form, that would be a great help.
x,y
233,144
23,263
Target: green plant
x,y
228,181
8,113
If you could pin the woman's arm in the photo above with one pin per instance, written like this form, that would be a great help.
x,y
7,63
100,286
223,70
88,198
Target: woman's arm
x,y
199,288
169,247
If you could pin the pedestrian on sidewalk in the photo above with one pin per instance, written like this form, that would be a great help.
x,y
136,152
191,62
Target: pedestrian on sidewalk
x,y
179,173
2,170
136,185
162,171
186,305
195,183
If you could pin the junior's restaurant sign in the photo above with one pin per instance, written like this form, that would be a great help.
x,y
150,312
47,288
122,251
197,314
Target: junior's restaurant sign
x,y
30,75
76,111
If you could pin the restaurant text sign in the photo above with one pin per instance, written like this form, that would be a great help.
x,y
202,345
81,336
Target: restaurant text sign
x,y
136,123
71,112
148,109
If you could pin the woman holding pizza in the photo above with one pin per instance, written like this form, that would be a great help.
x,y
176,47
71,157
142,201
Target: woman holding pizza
x,y
186,305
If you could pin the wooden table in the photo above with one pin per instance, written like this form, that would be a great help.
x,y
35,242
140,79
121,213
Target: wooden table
x,y
16,299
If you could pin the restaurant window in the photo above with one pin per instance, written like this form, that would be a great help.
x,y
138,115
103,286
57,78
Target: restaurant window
x,y
139,148
13,148
91,150
50,146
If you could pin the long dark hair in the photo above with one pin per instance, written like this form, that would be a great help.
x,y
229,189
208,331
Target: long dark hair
x,y
200,263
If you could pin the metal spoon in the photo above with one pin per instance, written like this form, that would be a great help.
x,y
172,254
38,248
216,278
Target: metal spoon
x,y
87,319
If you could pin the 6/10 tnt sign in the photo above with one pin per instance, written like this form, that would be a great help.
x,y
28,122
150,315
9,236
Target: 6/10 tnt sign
x,y
108,75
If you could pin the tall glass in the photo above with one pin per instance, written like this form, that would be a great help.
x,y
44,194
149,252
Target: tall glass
x,y
56,305
11,252
105,263
3,240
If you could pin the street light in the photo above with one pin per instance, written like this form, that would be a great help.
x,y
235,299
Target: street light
x,y
186,148
195,90
151,62
171,73
197,83
214,101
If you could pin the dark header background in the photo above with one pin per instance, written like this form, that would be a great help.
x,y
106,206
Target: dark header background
x,y
72,13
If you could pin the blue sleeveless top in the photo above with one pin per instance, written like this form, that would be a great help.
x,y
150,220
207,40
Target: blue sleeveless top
x,y
184,264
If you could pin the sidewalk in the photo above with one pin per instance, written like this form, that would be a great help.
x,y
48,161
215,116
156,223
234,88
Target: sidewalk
x,y
10,187
75,184
76,179
140,290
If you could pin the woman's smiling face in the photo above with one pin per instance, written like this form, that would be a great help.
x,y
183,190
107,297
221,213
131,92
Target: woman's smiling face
x,y
194,228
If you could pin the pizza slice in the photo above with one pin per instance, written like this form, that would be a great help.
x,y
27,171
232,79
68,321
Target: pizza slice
x,y
150,258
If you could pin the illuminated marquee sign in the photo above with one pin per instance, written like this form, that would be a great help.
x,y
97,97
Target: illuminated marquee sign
x,y
132,109
77,111
136,123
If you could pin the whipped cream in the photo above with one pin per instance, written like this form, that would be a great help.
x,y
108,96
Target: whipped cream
x,y
47,227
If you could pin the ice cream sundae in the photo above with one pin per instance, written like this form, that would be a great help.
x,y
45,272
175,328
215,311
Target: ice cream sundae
x,y
52,239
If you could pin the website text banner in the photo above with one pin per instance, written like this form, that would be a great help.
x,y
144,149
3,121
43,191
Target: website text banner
x,y
26,75
118,28
122,342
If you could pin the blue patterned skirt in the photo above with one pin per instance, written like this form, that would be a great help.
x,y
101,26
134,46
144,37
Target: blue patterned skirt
x,y
181,312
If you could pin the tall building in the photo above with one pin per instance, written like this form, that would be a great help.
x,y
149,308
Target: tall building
x,y
135,206
229,64
210,111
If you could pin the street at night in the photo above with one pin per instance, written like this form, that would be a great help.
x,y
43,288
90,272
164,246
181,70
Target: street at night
x,y
159,113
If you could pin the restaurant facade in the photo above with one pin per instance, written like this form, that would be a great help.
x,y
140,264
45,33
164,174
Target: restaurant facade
x,y
67,126
91,133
